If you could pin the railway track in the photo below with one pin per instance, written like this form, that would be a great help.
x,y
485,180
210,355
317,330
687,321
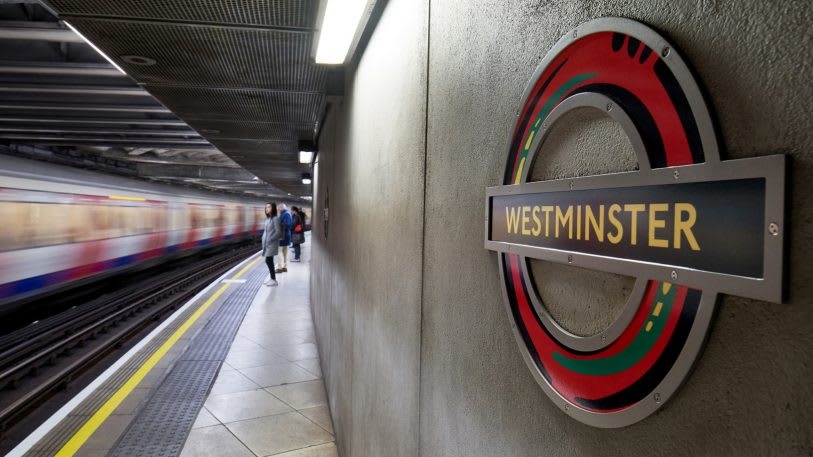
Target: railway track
x,y
43,358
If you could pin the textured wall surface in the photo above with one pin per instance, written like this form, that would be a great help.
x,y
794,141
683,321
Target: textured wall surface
x,y
390,316
367,273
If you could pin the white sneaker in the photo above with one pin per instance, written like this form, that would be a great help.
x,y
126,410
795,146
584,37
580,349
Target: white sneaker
x,y
271,283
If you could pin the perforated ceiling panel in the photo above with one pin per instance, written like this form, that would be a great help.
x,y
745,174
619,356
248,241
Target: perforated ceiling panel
x,y
271,13
265,147
212,56
215,130
240,72
192,103
275,170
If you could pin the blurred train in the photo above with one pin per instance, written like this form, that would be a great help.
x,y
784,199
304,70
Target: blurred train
x,y
61,226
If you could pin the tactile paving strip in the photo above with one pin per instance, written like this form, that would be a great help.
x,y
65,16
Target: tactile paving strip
x,y
57,437
161,427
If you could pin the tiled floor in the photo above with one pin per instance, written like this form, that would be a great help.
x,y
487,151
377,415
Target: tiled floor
x,y
269,397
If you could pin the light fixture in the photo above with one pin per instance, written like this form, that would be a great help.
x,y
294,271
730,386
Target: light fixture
x,y
305,156
307,149
95,48
306,178
139,60
339,25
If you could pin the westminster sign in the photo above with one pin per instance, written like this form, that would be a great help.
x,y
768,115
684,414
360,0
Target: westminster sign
x,y
686,224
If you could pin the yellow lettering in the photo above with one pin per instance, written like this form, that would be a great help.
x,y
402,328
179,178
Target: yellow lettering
x,y
634,210
525,220
547,210
655,223
537,223
578,222
562,219
685,226
512,218
615,239
590,221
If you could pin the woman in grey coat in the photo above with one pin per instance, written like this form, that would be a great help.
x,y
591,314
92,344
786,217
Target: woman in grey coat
x,y
271,235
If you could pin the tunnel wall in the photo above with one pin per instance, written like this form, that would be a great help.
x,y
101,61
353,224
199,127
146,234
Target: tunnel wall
x,y
367,271
417,348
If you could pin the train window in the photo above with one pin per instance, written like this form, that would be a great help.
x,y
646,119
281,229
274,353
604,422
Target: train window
x,y
35,224
157,218
232,216
65,218
81,217
45,223
204,216
129,220
13,234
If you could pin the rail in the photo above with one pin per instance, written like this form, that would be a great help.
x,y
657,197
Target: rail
x,y
36,349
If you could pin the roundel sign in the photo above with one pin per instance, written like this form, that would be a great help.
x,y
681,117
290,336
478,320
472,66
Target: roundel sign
x,y
685,224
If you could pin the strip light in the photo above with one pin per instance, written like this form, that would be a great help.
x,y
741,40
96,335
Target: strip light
x,y
339,26
94,47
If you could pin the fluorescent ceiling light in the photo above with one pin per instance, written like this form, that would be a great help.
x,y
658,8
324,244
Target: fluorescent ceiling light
x,y
306,178
338,29
95,48
305,156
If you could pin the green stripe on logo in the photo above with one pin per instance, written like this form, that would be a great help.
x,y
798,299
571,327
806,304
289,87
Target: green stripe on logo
x,y
637,349
549,105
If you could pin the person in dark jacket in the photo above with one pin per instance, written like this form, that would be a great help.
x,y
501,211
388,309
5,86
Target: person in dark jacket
x,y
271,235
286,224
298,235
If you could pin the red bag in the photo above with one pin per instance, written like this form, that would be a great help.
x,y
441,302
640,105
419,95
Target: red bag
x,y
298,228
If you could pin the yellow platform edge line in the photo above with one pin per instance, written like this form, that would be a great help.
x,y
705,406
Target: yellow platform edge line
x,y
101,415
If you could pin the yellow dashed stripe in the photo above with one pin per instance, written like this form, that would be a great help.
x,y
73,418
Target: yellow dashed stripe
x,y
530,139
657,311
98,418
519,171
649,326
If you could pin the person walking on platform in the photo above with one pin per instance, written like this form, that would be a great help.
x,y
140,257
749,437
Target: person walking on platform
x,y
298,235
271,236
286,223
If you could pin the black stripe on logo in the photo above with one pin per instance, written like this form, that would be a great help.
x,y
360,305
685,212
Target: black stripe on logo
x,y
650,380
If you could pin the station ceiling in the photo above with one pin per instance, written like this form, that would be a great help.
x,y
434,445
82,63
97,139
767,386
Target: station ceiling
x,y
217,93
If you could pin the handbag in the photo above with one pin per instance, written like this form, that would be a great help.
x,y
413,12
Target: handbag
x,y
298,228
297,238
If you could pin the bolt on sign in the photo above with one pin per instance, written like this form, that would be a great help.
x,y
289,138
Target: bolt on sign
x,y
685,224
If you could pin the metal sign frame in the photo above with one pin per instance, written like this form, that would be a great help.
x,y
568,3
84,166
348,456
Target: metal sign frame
x,y
625,373
771,168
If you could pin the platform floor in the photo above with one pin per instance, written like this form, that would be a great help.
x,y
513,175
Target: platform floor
x,y
269,397
263,395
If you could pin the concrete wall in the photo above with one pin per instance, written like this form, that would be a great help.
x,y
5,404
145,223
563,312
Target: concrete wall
x,y
417,348
367,273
